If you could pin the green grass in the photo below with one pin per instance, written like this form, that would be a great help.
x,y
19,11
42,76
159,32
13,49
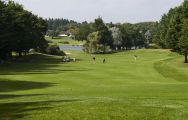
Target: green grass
x,y
154,87
60,41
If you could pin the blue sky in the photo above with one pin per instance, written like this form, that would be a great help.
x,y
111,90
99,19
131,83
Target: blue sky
x,y
132,11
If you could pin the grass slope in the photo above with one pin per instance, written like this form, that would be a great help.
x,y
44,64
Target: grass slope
x,y
154,87
60,41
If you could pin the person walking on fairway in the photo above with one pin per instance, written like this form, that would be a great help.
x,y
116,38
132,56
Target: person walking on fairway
x,y
135,57
94,59
104,60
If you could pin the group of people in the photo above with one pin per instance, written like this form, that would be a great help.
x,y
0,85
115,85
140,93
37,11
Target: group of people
x,y
104,60
135,57
67,59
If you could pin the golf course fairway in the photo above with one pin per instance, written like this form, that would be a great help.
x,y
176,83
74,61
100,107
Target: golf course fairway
x,y
153,87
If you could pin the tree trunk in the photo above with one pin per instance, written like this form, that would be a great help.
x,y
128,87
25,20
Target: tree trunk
x,y
25,53
20,54
9,55
104,49
186,60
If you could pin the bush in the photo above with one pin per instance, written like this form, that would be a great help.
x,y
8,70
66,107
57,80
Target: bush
x,y
32,51
153,46
64,42
49,41
54,50
61,53
94,48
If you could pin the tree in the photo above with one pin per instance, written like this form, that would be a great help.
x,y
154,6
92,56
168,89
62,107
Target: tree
x,y
138,39
60,24
20,30
83,31
4,31
117,37
127,34
183,42
173,30
105,36
148,37
91,46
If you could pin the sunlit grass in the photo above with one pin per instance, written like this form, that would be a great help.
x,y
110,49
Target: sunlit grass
x,y
65,41
153,87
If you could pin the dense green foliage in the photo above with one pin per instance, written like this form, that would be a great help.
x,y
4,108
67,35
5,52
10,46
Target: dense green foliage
x,y
113,36
54,50
104,34
153,87
20,30
120,36
91,45
60,24
173,32
79,31
132,36
117,37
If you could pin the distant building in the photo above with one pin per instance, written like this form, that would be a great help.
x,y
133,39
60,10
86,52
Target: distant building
x,y
71,35
62,35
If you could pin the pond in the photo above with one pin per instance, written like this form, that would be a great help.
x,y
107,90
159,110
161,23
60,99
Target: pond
x,y
75,48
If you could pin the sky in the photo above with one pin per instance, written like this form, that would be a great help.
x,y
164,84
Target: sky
x,y
116,11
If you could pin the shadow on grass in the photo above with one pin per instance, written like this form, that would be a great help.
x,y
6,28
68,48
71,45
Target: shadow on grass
x,y
47,71
9,86
36,64
18,110
9,96
29,63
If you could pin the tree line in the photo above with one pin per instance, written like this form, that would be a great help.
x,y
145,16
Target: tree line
x,y
172,30
58,26
20,30
103,37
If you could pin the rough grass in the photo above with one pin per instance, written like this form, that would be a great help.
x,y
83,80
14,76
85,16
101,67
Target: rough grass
x,y
154,87
61,41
